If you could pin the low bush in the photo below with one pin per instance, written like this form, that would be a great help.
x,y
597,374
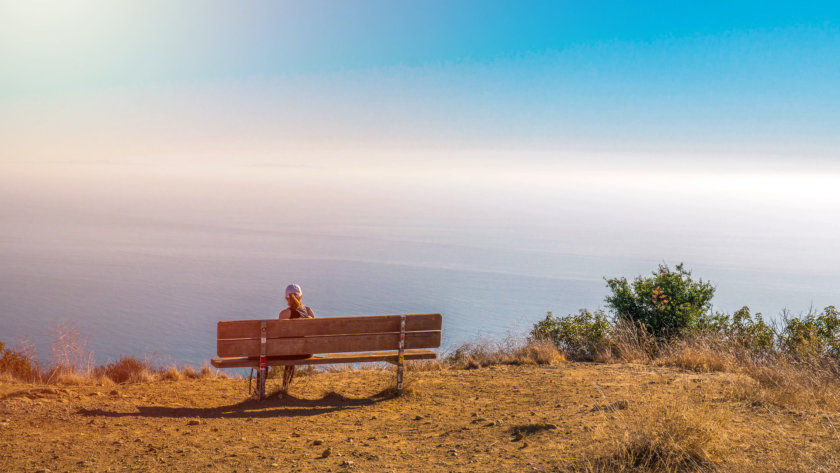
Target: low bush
x,y
127,369
19,365
581,336
813,334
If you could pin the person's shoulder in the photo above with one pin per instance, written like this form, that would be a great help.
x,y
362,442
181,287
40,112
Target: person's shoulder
x,y
310,312
285,313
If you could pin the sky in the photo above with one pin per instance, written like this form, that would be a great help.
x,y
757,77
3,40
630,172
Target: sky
x,y
200,83
655,117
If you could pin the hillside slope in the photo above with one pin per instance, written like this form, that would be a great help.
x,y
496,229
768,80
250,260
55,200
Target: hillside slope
x,y
568,417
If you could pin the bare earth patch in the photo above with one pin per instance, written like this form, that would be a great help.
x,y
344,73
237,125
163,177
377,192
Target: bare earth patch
x,y
569,417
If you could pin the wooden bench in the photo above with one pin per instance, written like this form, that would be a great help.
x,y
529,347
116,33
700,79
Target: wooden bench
x,y
390,338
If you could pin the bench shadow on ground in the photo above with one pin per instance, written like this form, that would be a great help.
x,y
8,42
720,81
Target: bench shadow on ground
x,y
275,405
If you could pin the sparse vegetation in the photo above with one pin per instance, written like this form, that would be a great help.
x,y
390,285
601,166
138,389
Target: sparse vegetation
x,y
666,320
510,351
21,366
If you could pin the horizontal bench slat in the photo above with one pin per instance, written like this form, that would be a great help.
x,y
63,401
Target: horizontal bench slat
x,y
390,356
327,344
238,329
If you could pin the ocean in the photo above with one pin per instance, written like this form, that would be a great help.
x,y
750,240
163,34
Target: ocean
x,y
136,277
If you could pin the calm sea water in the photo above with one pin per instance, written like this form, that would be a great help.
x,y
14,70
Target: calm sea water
x,y
155,283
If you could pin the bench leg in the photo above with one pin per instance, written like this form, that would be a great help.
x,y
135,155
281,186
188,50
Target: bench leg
x,y
263,367
401,357
261,375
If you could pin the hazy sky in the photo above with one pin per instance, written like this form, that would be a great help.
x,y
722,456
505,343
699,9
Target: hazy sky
x,y
664,120
325,83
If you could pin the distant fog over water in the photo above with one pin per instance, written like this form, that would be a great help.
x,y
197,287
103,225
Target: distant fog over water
x,y
145,258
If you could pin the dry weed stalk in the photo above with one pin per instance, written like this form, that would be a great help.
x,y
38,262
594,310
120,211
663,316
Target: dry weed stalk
x,y
70,353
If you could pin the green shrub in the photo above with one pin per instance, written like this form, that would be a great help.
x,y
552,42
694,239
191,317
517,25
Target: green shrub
x,y
812,335
668,304
19,365
751,331
580,336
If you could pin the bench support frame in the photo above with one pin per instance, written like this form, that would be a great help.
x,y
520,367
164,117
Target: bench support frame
x,y
401,357
263,367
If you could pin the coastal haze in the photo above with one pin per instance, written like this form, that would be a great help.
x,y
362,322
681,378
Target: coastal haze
x,y
149,189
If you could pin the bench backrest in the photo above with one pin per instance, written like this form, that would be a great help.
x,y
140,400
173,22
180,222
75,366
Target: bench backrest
x,y
327,335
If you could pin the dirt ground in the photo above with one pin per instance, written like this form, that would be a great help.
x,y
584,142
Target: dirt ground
x,y
500,418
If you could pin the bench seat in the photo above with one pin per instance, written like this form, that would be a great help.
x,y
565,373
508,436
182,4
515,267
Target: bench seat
x,y
388,356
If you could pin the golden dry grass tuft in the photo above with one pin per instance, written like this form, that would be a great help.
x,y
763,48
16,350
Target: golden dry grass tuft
x,y
206,372
188,372
539,352
169,374
683,435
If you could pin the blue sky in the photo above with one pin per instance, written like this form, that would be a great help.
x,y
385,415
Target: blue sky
x,y
753,80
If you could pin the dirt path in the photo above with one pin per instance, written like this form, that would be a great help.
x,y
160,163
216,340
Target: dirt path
x,y
504,418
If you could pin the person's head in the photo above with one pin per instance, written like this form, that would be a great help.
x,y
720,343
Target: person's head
x,y
294,296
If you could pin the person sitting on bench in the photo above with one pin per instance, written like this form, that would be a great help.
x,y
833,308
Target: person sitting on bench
x,y
296,310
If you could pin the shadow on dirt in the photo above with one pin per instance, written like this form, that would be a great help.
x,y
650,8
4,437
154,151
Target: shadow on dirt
x,y
275,405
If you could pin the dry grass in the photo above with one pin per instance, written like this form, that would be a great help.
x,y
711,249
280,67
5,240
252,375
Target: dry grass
x,y
631,343
766,378
188,372
786,384
169,374
70,353
510,351
425,365
206,372
700,354
127,369
20,363
73,364
680,435
72,379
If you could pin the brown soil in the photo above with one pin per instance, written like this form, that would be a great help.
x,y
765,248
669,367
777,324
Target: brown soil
x,y
501,418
